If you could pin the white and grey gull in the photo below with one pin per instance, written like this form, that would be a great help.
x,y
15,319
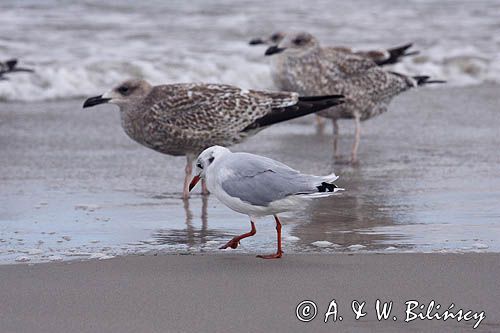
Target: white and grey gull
x,y
183,119
258,186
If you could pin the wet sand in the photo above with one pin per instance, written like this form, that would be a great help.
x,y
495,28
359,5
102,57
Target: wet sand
x,y
240,293
75,186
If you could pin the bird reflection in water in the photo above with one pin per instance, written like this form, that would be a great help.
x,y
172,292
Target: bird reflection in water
x,y
348,219
192,237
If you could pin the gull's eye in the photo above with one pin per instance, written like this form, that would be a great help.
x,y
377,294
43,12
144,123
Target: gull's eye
x,y
275,37
199,165
123,90
300,40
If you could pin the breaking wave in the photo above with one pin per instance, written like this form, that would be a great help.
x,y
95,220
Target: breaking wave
x,y
85,48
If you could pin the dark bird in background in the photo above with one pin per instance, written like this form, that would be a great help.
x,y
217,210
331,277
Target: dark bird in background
x,y
10,66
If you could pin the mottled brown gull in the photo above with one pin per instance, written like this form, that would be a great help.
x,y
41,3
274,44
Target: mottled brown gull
x,y
307,68
184,119
344,56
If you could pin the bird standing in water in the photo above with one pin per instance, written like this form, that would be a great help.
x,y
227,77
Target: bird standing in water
x,y
308,68
258,186
183,119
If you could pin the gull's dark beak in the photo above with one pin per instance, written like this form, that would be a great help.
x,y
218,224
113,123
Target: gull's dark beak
x,y
195,181
274,49
256,41
95,101
22,69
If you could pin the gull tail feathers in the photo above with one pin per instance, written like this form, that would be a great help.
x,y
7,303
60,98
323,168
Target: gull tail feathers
x,y
418,80
326,186
330,178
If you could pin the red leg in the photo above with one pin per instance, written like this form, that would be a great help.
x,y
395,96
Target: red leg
x,y
233,243
279,252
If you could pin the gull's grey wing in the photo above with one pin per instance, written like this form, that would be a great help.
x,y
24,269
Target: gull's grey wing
x,y
260,181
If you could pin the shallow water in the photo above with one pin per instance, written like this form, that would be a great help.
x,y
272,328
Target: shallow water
x,y
82,48
74,186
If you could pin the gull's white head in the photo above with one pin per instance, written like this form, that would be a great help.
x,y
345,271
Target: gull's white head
x,y
126,93
296,44
274,39
205,160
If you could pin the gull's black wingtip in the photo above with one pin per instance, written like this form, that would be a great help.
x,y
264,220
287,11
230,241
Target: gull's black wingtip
x,y
326,187
322,102
305,105
319,98
396,53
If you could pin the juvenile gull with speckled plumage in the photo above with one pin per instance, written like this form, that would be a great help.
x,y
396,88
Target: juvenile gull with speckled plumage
x,y
184,119
344,56
307,68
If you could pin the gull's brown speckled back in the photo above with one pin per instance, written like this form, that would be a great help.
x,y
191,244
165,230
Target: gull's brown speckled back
x,y
184,119
180,119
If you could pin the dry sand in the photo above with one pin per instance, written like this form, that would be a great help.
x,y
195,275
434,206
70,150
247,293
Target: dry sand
x,y
239,293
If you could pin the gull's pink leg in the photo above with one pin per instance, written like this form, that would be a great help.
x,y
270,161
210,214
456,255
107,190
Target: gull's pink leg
x,y
335,138
233,243
187,178
204,188
320,124
279,252
357,135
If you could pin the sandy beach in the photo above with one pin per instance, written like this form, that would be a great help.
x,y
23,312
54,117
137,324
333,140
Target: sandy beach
x,y
219,293
94,234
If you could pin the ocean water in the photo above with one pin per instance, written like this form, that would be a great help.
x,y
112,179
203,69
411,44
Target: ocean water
x,y
80,48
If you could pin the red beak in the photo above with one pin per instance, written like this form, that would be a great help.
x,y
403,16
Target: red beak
x,y
195,181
